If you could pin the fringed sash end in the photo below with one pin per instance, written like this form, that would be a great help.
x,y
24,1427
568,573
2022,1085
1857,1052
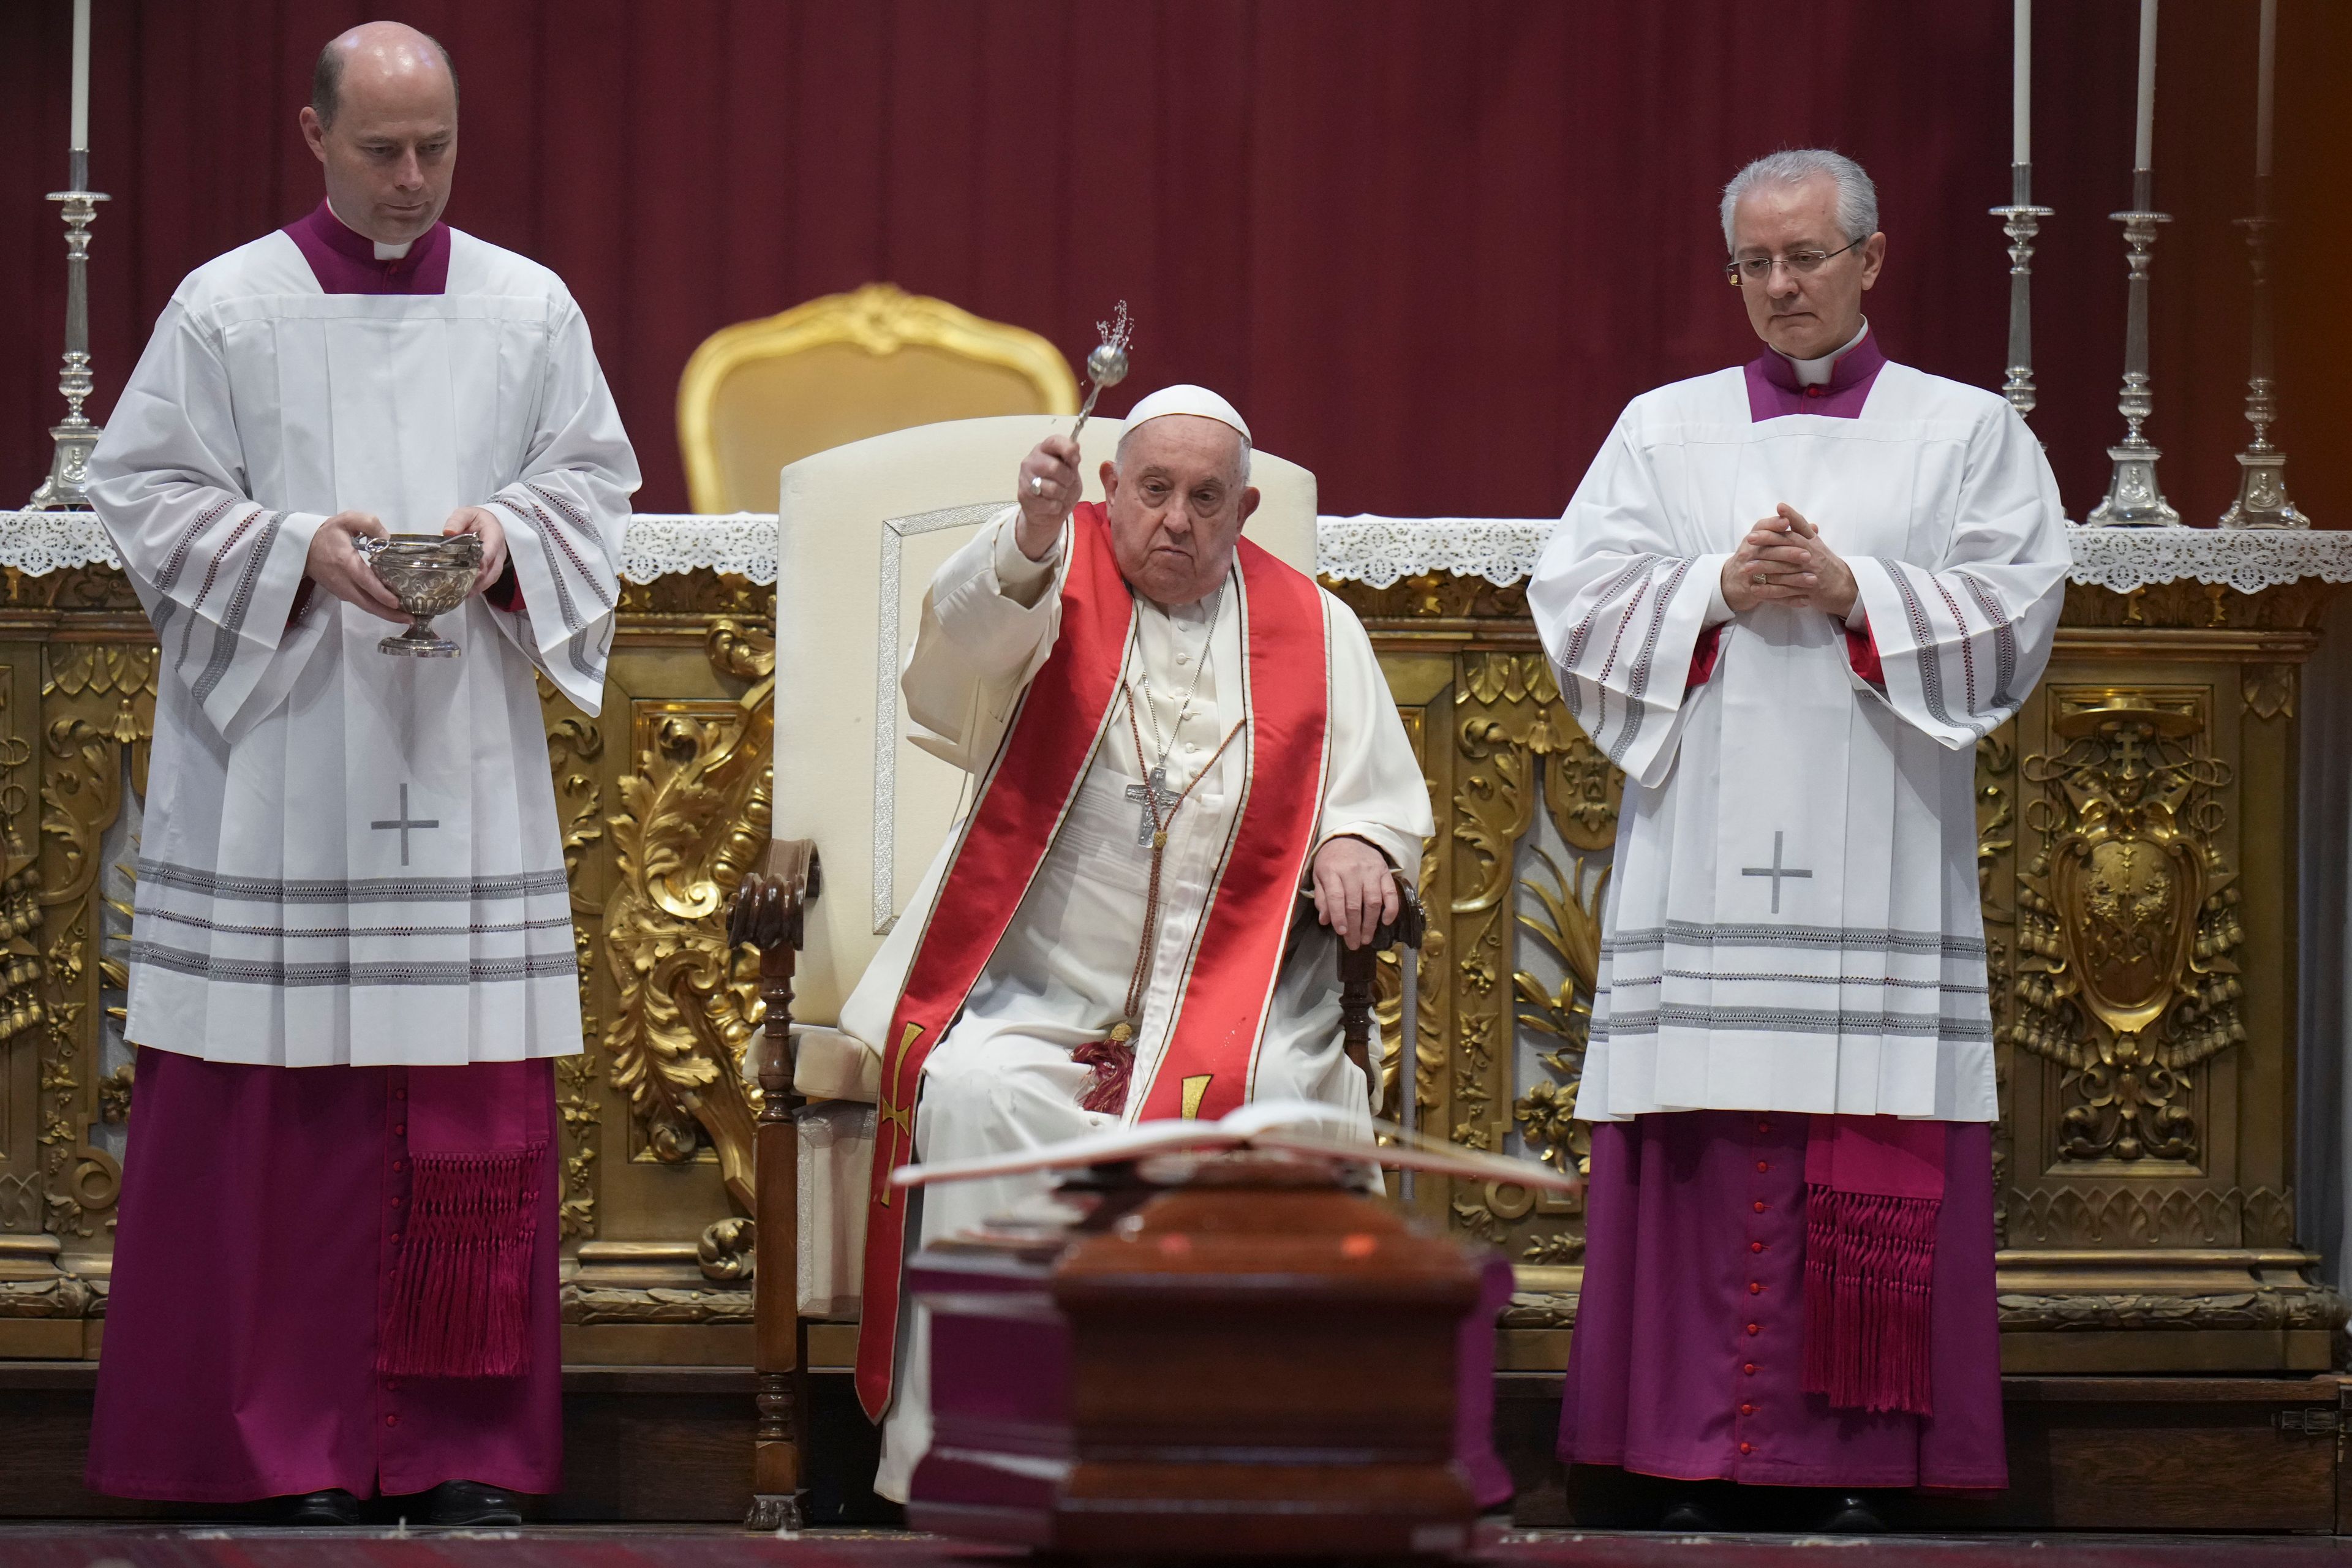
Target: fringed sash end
x,y
1869,1264
461,1292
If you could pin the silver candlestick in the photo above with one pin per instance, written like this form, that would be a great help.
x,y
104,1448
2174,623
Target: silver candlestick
x,y
2261,499
2022,221
68,484
2134,497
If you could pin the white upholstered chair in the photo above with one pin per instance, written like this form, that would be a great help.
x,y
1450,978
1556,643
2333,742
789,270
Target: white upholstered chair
x,y
859,814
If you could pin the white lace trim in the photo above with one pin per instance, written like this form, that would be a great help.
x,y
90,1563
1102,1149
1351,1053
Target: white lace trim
x,y
39,543
661,543
2248,560
1377,551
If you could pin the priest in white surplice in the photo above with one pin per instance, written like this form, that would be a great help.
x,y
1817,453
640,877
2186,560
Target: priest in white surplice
x,y
1192,786
1787,600
351,957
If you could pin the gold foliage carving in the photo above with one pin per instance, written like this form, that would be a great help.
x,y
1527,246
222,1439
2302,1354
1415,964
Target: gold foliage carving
x,y
694,813
577,1110
2137,1214
1433,596
2187,605
1520,751
2269,690
573,745
1569,927
2273,1309
2126,919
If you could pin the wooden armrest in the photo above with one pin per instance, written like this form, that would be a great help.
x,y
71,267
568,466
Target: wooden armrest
x,y
1357,965
768,913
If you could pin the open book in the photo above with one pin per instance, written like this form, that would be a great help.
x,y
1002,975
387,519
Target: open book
x,y
1278,1126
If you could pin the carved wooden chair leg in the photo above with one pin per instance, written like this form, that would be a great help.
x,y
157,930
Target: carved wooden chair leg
x,y
1357,966
767,914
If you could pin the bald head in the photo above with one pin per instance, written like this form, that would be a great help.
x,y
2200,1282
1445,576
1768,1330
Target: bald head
x,y
382,122
388,54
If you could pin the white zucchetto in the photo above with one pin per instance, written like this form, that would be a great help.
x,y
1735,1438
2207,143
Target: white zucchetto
x,y
1187,399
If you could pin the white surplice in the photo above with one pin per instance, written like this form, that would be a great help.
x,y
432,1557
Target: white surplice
x,y
351,857
1002,1080
1793,921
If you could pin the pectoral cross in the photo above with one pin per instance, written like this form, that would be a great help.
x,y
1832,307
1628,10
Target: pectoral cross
x,y
1154,797
1775,870
405,822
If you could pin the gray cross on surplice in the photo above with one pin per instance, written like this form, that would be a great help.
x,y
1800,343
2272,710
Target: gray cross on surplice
x,y
405,822
1154,797
1775,870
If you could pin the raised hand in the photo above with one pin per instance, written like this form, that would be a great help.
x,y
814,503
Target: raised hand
x,y
1049,488
337,566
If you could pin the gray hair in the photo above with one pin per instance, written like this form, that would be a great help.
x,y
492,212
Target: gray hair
x,y
1857,198
1119,454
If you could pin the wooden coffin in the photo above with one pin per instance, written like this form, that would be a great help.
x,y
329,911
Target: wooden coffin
x,y
1251,1358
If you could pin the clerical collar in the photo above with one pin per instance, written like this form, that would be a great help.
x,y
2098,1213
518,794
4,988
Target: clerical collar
x,y
345,261
1836,385
1824,372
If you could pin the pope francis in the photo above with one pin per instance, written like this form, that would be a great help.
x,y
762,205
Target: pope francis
x,y
1191,785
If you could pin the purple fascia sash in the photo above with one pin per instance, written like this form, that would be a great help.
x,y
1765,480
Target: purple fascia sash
x,y
344,260
1773,390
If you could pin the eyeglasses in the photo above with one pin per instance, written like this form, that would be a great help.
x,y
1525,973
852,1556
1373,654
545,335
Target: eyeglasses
x,y
1803,263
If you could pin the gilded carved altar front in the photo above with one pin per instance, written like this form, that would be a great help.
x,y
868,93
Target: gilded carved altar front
x,y
2136,833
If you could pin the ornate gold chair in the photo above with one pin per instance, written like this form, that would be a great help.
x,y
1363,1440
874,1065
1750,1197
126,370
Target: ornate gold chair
x,y
861,529
760,394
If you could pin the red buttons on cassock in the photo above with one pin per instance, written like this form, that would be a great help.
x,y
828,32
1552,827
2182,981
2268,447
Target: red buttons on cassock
x,y
1748,1410
395,1203
400,1130
1755,1328
1754,1288
392,1386
1755,1246
1763,1127
391,1420
1763,1165
1760,1208
398,1166
400,1094
396,1238
1750,1369
1747,1447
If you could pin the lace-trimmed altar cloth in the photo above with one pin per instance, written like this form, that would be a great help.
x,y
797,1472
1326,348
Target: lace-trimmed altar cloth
x,y
1375,551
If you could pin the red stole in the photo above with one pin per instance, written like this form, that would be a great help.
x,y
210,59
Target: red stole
x,y
1874,1191
1206,1067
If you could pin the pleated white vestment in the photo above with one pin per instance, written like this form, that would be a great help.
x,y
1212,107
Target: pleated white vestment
x,y
1793,920
349,857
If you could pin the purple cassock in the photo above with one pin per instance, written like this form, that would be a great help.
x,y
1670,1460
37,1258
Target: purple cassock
x,y
334,1276
1688,1355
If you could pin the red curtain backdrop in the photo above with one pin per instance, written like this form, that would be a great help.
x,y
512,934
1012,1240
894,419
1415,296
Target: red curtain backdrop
x,y
1430,248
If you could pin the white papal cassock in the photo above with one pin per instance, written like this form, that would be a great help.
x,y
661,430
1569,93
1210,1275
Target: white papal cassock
x,y
352,857
1003,1078
1793,920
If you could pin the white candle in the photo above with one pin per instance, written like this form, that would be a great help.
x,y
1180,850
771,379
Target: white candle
x,y
2265,89
2021,101
2144,146
81,141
